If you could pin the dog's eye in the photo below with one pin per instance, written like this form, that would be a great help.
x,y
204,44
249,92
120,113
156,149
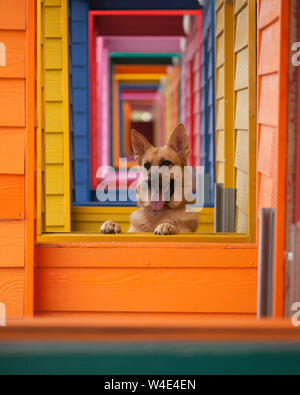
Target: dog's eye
x,y
166,163
147,165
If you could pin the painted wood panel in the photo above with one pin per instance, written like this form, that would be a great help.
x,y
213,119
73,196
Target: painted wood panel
x,y
12,291
241,187
14,42
241,221
273,21
207,119
220,83
270,46
220,146
12,103
242,110
241,71
238,5
269,11
12,156
174,255
224,93
12,196
12,14
54,148
88,219
267,194
55,217
267,154
80,74
220,115
54,132
218,4
12,145
268,103
220,21
11,243
242,150
241,34
245,114
220,172
153,289
220,50
192,60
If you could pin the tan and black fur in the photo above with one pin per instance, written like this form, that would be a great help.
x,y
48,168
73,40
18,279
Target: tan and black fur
x,y
172,218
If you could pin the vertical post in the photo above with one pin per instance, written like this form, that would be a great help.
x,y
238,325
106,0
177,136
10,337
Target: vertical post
x,y
219,188
30,204
229,210
229,132
266,263
295,265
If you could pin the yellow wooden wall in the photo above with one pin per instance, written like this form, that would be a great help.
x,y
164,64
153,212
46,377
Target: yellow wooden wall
x,y
245,114
241,160
236,106
224,93
53,118
89,219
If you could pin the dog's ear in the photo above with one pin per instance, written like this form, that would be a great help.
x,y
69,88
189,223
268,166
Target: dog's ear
x,y
139,145
179,141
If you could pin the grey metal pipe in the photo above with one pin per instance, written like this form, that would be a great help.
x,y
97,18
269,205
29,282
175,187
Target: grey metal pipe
x,y
265,288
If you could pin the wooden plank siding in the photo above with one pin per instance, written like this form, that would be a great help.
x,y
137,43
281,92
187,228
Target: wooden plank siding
x,y
208,101
88,219
13,38
224,93
88,272
54,180
175,90
188,280
80,64
235,33
245,115
191,90
273,31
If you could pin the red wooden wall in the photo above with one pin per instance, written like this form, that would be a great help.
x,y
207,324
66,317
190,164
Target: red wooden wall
x,y
273,22
191,89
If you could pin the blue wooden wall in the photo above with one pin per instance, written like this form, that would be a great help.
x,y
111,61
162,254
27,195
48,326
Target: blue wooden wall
x,y
145,5
80,74
208,100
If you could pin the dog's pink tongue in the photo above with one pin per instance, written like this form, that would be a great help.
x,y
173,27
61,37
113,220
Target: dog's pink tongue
x,y
159,204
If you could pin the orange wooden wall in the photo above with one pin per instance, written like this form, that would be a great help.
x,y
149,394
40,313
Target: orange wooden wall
x,y
17,150
14,123
273,22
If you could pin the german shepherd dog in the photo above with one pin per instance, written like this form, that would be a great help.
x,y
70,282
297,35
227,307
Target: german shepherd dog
x,y
158,215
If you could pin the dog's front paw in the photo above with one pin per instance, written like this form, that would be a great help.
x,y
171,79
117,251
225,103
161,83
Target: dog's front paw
x,y
110,227
165,229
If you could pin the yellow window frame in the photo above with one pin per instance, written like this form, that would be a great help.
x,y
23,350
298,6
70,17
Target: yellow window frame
x,y
52,28
228,100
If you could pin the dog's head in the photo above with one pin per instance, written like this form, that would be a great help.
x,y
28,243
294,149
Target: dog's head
x,y
161,182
